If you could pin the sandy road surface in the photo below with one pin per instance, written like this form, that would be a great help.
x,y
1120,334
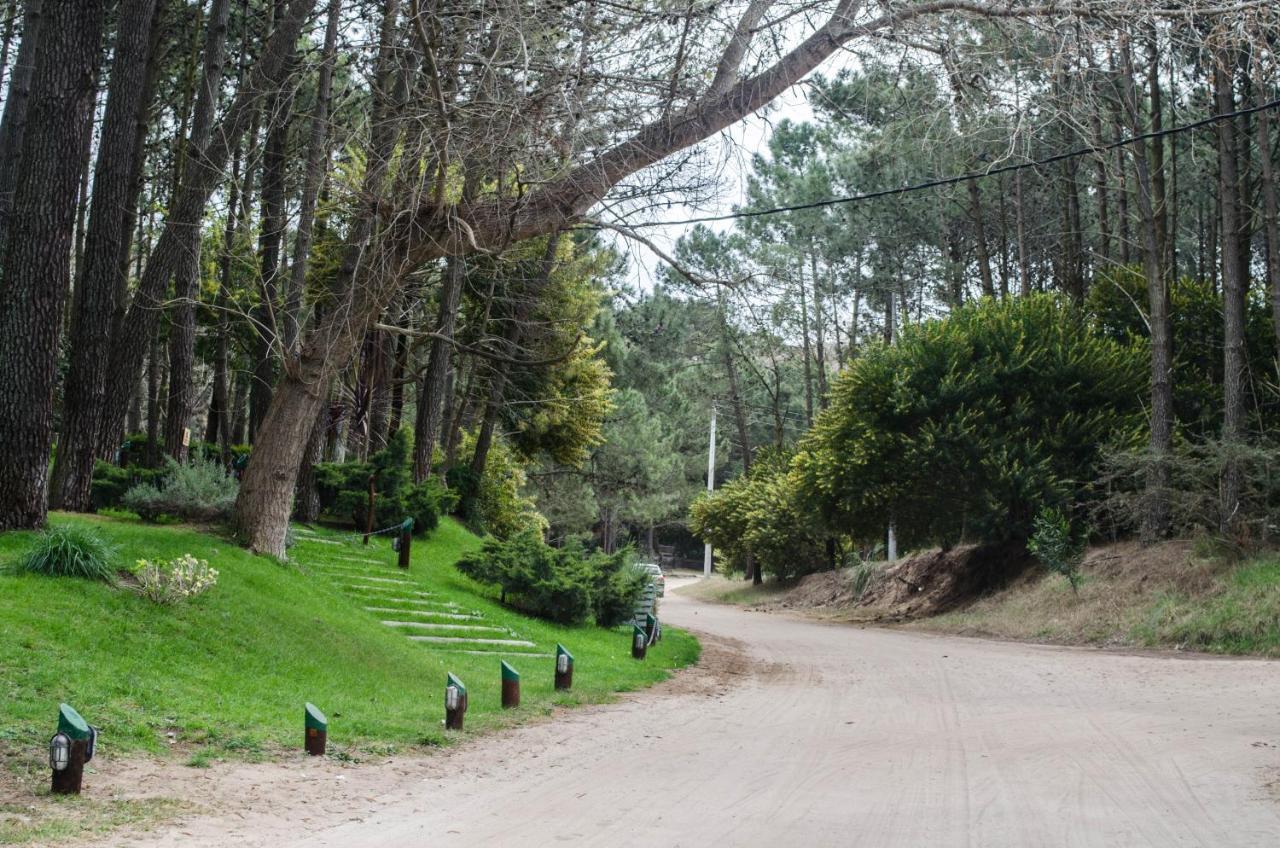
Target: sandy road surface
x,y
797,733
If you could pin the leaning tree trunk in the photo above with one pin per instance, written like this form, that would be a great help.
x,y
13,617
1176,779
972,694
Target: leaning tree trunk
x,y
37,264
105,253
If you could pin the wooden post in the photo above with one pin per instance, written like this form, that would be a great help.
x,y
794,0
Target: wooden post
x,y
368,516
564,668
510,687
316,730
406,541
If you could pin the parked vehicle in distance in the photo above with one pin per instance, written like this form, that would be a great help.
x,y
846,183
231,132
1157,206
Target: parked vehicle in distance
x,y
659,579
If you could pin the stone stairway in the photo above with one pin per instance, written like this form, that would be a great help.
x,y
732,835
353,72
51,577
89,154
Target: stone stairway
x,y
404,604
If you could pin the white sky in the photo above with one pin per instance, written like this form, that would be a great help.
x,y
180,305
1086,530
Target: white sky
x,y
734,148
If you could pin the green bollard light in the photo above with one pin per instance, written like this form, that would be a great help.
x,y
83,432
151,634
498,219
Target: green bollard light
x,y
69,749
455,702
564,667
510,686
317,730
639,642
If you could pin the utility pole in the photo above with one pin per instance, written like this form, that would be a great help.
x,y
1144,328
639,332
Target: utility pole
x,y
711,485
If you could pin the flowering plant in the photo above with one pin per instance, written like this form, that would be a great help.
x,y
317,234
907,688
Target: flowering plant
x,y
174,581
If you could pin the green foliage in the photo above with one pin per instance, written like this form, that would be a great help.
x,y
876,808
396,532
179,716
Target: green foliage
x,y
1056,546
1118,302
763,514
70,551
559,584
110,482
344,490
199,490
968,424
494,503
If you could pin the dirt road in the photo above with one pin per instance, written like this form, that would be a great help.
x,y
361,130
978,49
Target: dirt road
x,y
801,733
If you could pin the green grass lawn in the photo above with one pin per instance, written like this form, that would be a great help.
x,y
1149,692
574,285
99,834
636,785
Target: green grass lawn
x,y
227,674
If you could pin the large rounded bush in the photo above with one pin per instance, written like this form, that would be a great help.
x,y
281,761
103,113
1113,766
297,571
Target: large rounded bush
x,y
969,424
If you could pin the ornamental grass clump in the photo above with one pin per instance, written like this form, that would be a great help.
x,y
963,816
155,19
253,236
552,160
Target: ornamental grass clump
x,y
173,582
70,551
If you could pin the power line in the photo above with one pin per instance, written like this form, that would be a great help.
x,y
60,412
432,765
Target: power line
x,y
972,175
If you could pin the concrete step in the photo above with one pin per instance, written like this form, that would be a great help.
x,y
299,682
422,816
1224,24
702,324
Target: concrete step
x,y
454,640
455,616
431,625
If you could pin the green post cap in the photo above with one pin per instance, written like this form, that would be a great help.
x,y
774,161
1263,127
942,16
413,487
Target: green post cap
x,y
70,723
649,619
315,719
407,525
509,673
453,681
561,649
638,629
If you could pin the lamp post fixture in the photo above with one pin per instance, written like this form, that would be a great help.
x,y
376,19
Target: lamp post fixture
x,y
69,749
455,703
510,686
316,730
639,642
564,668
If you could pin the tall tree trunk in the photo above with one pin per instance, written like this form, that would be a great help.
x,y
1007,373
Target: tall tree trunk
x,y
980,240
267,320
1270,206
806,351
432,389
512,339
186,280
37,269
13,124
202,174
313,178
154,381
1155,522
1024,259
105,254
1234,291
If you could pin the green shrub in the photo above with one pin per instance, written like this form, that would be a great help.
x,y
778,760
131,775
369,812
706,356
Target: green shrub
x,y
110,482
70,551
344,490
494,503
199,490
1058,549
761,513
559,584
956,431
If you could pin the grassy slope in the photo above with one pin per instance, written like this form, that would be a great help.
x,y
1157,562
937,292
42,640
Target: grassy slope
x,y
230,671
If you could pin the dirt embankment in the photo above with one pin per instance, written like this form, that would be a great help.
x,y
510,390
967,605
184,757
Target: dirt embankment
x,y
1161,595
922,585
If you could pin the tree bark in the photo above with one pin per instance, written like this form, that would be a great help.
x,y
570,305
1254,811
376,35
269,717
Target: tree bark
x,y
980,240
202,174
1270,206
431,391
105,253
13,124
37,269
1155,520
1234,292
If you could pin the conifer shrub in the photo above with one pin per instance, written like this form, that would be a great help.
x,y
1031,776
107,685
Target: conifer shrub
x,y
344,490
968,425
